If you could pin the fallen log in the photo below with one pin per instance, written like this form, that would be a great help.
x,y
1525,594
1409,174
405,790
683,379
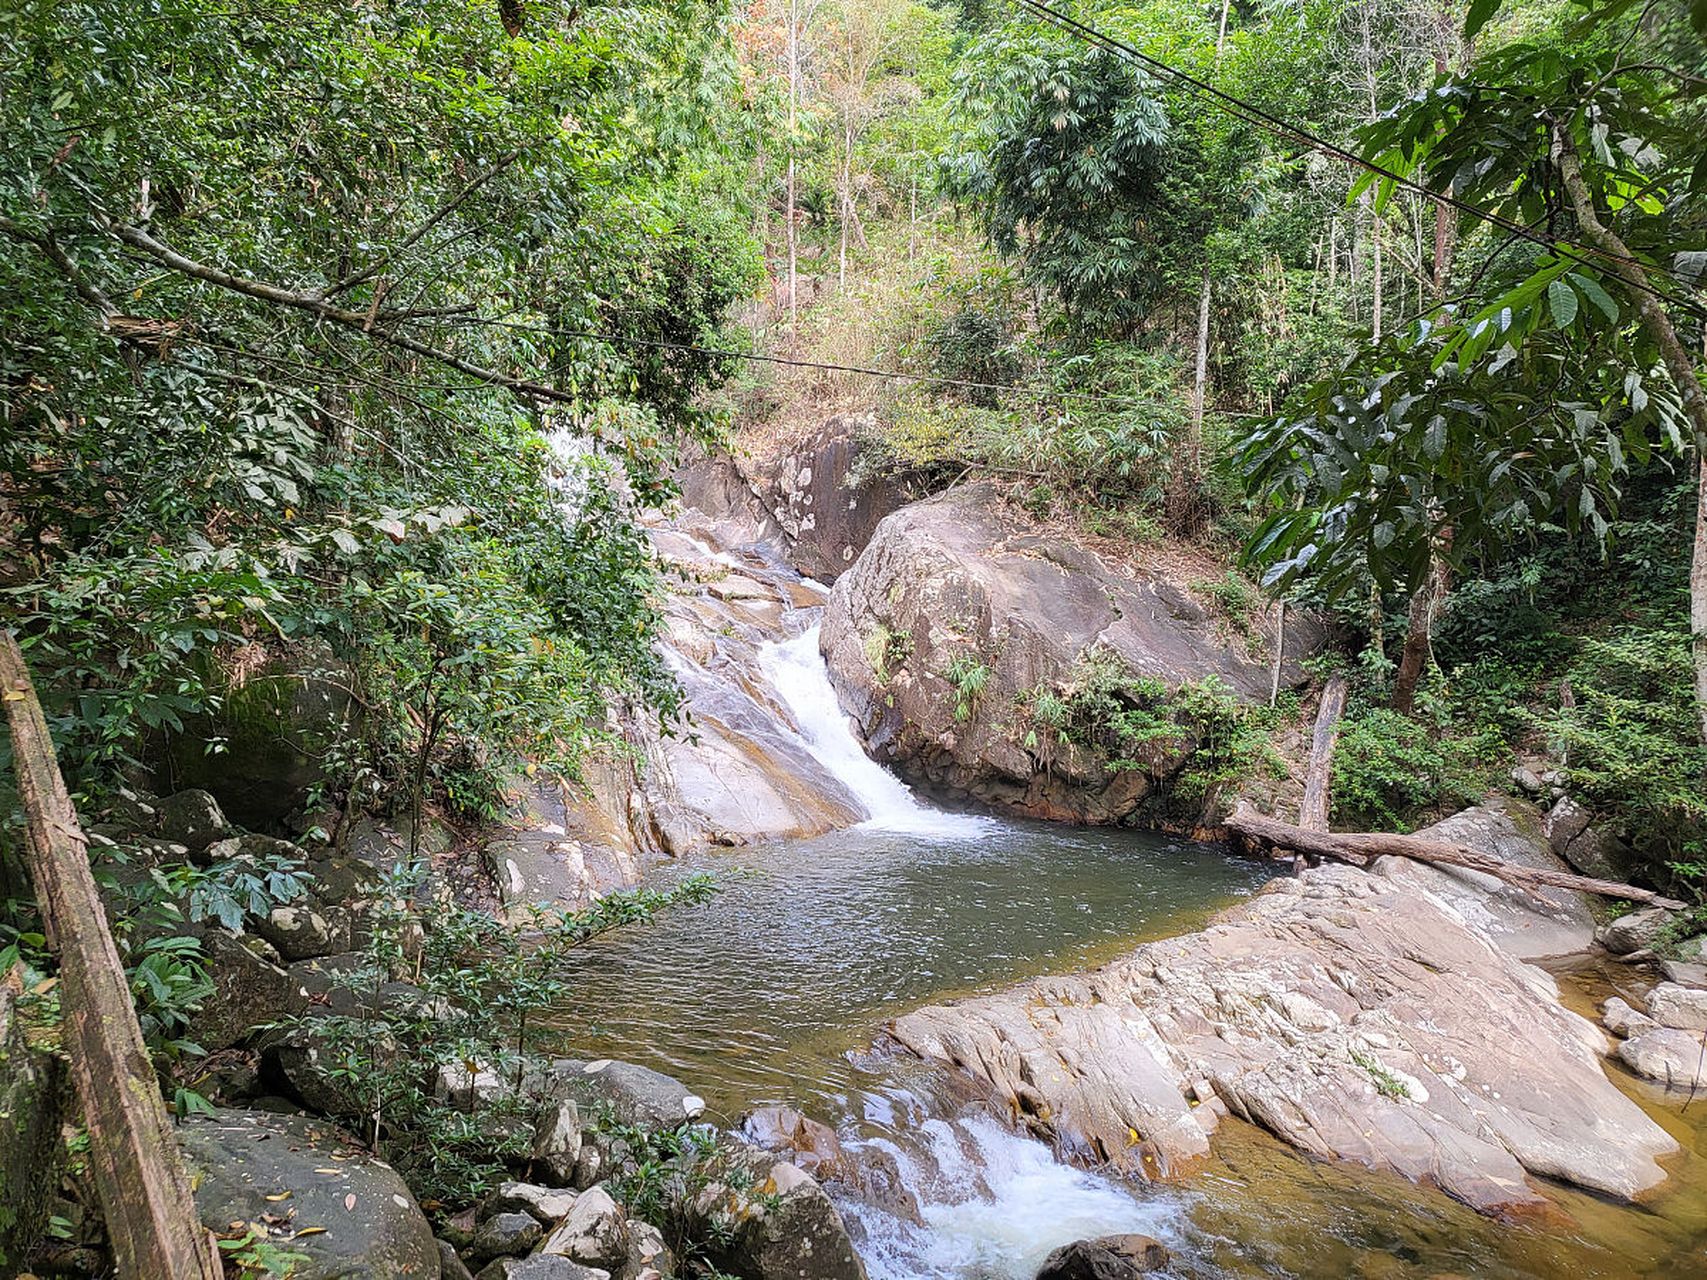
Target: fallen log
x,y
1359,847
144,1190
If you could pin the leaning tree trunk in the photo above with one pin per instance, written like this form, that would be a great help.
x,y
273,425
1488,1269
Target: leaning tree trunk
x,y
1679,364
144,1191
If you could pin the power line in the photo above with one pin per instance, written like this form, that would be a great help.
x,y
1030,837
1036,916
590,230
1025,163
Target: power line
x,y
1254,115
755,357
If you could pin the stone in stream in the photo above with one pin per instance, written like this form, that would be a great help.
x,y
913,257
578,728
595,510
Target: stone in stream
x,y
808,1143
1684,1008
784,1226
1677,1059
1106,1258
248,1165
1358,1015
1634,931
1622,1020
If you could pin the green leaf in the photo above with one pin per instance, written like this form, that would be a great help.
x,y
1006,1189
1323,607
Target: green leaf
x,y
1477,18
1591,289
1562,300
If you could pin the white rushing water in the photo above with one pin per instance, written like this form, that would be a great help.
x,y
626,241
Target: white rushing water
x,y
796,670
994,1204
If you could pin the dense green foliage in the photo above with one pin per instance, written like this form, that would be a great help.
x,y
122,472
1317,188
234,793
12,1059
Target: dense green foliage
x,y
207,473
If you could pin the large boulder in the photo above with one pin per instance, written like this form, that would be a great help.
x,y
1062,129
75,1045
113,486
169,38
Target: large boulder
x,y
275,726
252,1166
250,990
1528,924
778,1224
1358,1015
962,578
634,1095
806,491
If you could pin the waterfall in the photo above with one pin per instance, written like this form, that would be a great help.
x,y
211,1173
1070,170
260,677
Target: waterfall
x,y
994,1204
797,673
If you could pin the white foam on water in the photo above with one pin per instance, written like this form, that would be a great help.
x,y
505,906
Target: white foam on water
x,y
796,670
995,1204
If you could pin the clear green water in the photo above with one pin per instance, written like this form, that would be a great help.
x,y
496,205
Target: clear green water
x,y
761,994
774,990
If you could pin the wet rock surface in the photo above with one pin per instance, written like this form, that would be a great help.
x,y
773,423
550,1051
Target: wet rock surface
x,y
1358,1015
1105,1258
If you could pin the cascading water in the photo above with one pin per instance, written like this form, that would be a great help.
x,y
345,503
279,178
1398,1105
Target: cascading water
x,y
993,1204
796,671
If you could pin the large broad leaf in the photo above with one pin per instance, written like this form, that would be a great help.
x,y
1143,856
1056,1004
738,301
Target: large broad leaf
x,y
1562,300
1477,18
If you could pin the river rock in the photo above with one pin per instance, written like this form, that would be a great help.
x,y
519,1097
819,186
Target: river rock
x,y
1527,924
249,990
557,1141
781,1225
1622,1020
1107,1258
1358,1016
503,1235
1677,1059
1634,931
451,1265
805,491
806,1142
1684,1008
541,1266
301,933
191,818
647,1251
962,577
594,1233
547,1205
637,1095
242,1160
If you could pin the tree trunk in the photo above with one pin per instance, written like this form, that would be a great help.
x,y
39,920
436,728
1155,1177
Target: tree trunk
x,y
1313,810
1425,603
793,121
1679,364
145,1195
1360,848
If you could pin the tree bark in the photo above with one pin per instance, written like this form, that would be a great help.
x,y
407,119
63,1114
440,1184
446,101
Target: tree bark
x,y
793,122
1360,848
1313,810
1679,364
145,1195
1425,600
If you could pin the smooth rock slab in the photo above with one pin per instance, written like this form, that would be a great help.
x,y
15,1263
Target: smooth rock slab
x,y
373,1229
541,1266
1357,1016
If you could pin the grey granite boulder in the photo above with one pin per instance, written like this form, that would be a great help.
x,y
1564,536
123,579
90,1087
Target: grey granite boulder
x,y
247,1164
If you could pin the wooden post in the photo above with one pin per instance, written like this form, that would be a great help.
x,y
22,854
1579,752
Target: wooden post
x,y
145,1194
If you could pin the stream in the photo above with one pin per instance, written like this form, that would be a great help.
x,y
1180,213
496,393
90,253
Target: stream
x,y
774,990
